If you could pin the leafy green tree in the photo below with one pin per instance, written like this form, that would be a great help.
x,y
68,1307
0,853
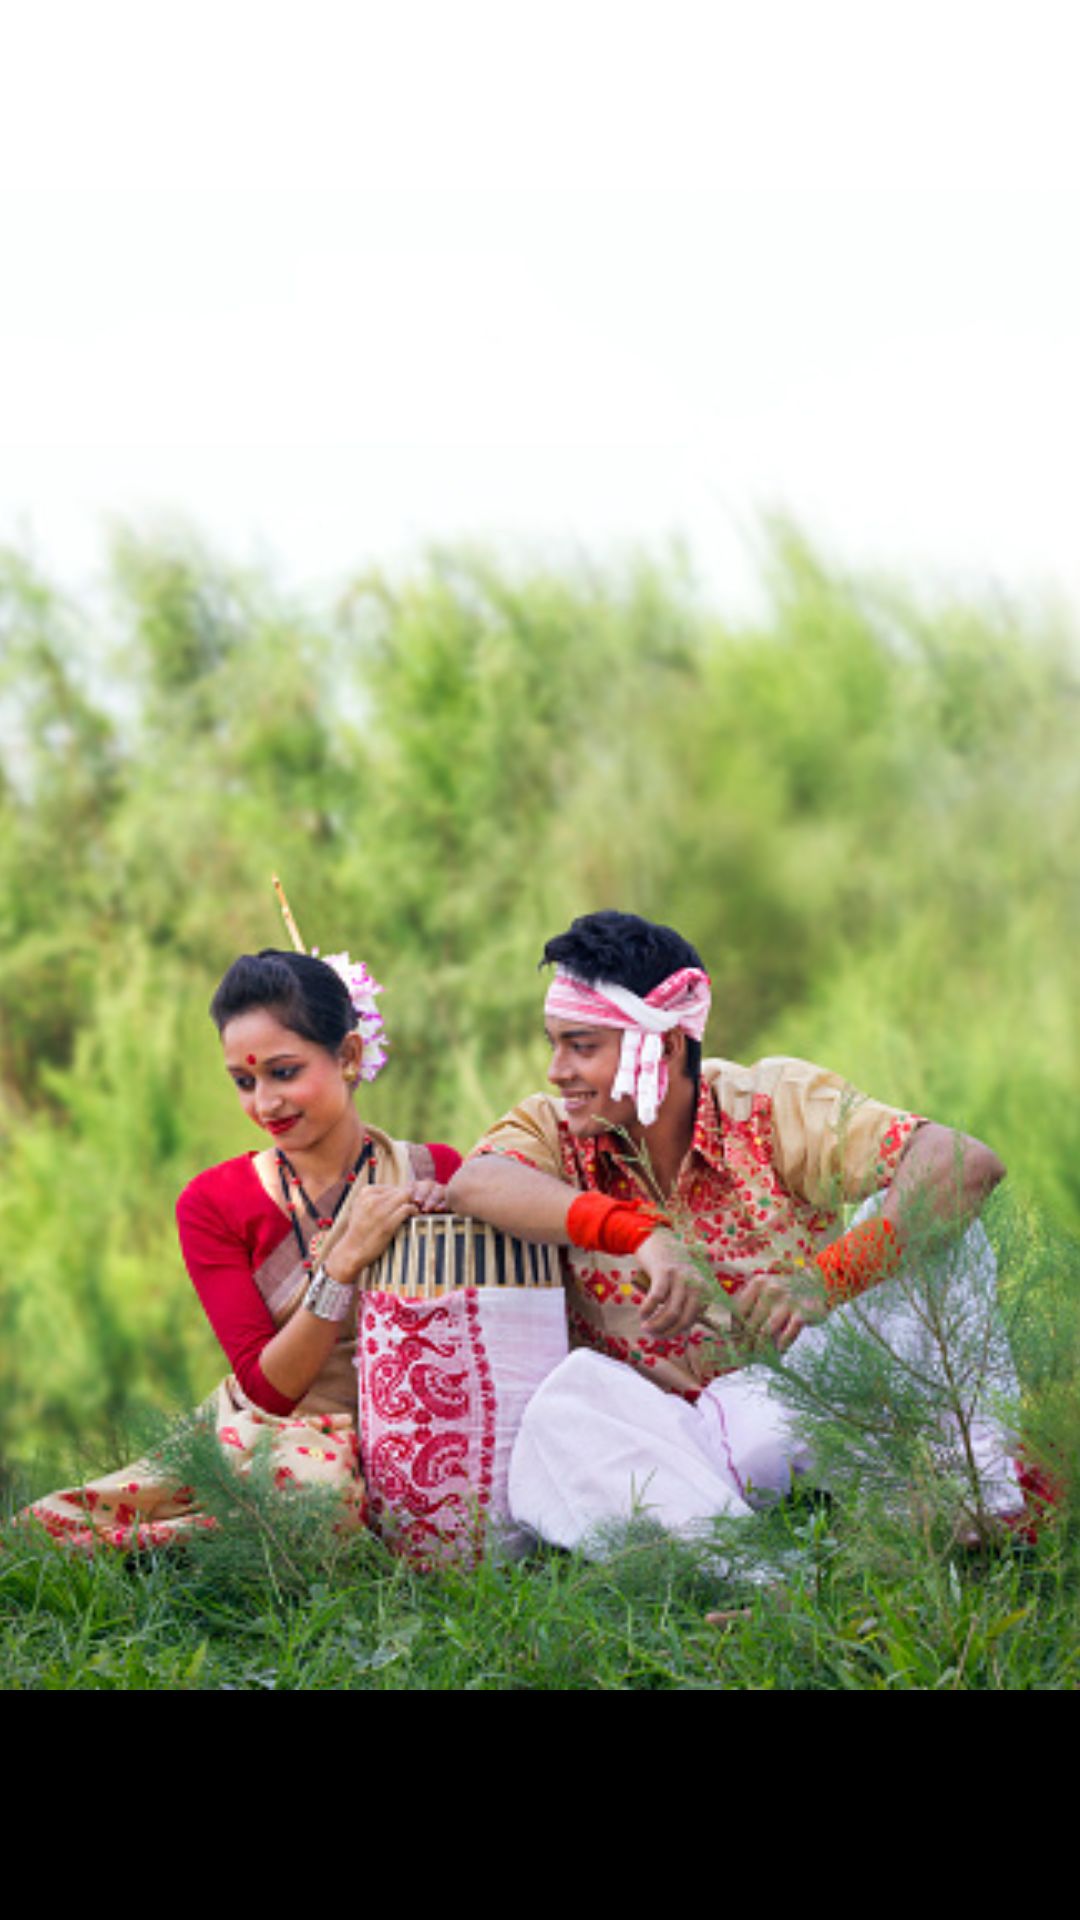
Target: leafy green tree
x,y
861,807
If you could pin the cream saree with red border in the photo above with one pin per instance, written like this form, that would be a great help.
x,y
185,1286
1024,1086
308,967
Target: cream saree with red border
x,y
316,1445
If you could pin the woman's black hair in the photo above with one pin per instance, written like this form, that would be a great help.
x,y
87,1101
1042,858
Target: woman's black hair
x,y
628,950
306,995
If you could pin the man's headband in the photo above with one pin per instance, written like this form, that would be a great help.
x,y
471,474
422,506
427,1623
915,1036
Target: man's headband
x,y
682,1000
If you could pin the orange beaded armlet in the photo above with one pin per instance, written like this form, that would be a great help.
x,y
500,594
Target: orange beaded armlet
x,y
859,1259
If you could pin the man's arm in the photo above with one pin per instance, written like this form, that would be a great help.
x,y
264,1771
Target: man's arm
x,y
532,1205
942,1180
516,1198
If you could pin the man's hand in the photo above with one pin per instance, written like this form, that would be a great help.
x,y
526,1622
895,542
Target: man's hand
x,y
768,1307
677,1292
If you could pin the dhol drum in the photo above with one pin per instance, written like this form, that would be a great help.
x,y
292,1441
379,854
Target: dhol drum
x,y
438,1253
460,1325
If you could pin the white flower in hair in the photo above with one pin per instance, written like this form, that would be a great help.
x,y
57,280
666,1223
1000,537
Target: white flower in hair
x,y
361,987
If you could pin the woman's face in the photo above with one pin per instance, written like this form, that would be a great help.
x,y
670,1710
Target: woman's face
x,y
296,1090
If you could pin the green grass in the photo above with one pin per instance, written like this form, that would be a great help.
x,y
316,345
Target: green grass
x,y
288,1606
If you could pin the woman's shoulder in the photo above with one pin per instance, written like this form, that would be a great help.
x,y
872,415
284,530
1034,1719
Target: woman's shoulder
x,y
434,1160
230,1187
403,1160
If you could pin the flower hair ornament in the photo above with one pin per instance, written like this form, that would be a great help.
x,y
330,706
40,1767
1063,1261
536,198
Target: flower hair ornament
x,y
361,987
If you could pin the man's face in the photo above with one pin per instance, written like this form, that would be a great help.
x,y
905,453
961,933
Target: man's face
x,y
584,1062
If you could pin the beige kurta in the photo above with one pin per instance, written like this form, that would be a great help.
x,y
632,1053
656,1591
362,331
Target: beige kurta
x,y
778,1149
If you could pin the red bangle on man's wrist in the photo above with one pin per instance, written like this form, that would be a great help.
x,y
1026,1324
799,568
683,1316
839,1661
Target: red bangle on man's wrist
x,y
604,1225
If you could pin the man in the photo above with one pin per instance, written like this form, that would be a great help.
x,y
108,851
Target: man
x,y
701,1206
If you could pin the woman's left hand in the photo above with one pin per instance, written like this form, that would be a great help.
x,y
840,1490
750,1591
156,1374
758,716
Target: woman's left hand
x,y
430,1196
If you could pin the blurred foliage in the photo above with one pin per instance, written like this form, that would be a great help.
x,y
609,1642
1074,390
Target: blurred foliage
x,y
862,808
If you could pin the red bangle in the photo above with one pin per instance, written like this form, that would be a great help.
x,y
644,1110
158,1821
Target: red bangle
x,y
604,1225
860,1258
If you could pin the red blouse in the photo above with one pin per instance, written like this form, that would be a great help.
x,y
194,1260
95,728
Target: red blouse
x,y
228,1225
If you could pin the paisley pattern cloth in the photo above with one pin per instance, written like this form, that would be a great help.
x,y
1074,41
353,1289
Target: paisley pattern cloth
x,y
444,1384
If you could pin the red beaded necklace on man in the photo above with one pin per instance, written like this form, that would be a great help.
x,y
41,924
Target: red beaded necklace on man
x,y
287,1174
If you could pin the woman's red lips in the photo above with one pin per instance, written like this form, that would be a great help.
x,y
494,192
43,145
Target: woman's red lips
x,y
282,1126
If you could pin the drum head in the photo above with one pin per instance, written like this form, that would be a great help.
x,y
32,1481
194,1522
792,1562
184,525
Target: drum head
x,y
437,1253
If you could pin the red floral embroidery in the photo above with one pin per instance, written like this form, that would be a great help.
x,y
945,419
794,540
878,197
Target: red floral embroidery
x,y
732,1200
603,1286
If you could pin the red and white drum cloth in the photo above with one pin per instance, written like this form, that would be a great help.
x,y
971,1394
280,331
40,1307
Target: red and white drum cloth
x,y
444,1384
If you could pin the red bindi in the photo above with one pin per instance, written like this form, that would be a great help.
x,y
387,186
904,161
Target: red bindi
x,y
251,1060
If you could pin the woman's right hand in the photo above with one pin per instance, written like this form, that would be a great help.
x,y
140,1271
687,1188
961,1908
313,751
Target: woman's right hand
x,y
374,1217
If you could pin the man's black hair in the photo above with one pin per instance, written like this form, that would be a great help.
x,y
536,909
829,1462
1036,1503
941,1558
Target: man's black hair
x,y
628,950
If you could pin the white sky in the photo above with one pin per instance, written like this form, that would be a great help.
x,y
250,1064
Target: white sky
x,y
329,280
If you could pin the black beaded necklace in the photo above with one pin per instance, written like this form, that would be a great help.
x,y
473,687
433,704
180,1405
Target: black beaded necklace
x,y
293,1187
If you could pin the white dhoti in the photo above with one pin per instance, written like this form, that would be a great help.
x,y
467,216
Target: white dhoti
x,y
600,1444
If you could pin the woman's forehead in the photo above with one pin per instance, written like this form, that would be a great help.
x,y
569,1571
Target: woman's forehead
x,y
258,1034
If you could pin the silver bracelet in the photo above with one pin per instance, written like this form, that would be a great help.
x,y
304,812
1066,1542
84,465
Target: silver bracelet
x,y
326,1298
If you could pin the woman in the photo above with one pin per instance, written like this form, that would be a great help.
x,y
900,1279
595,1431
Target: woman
x,y
276,1242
